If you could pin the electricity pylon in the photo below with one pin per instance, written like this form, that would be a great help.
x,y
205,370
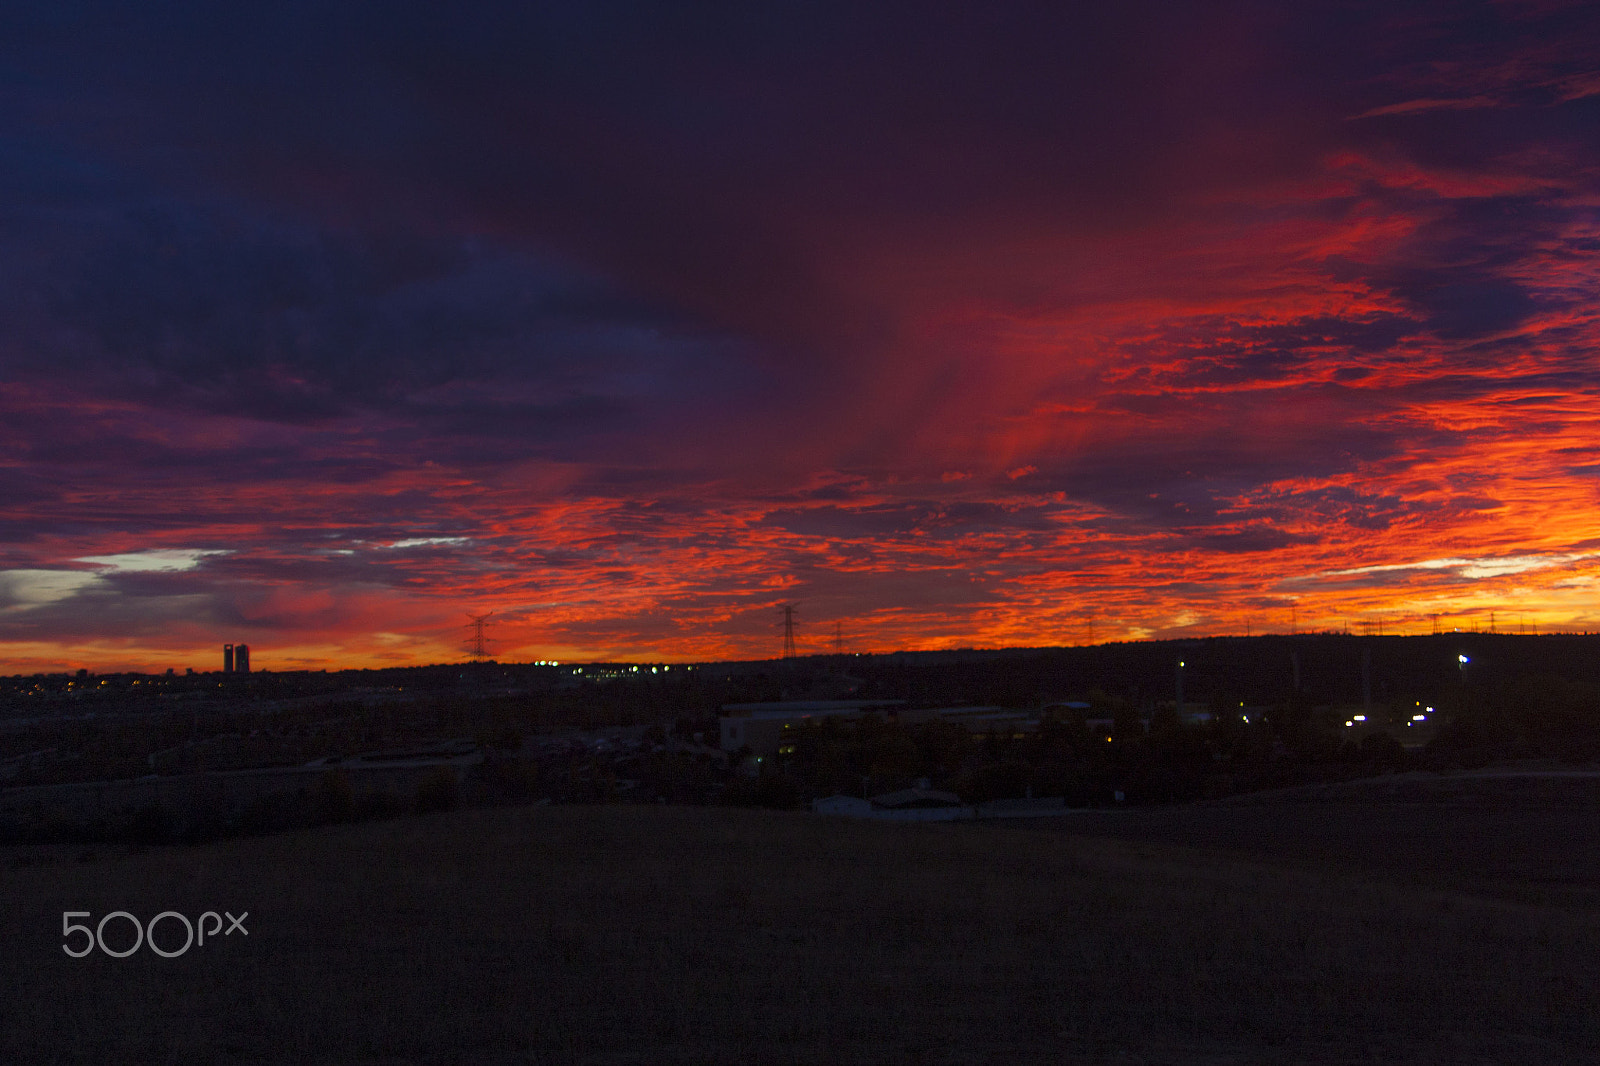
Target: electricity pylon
x,y
788,629
478,644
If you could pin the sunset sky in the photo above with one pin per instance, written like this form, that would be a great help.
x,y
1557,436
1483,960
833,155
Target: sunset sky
x,y
325,325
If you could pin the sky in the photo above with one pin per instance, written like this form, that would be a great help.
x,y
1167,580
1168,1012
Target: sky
x,y
326,326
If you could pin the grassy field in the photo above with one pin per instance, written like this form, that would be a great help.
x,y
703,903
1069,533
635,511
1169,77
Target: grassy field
x,y
1531,837
680,935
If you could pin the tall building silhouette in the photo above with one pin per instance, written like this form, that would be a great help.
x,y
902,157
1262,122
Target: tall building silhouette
x,y
241,658
227,658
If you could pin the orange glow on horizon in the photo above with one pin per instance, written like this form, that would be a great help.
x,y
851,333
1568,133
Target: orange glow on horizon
x,y
1152,365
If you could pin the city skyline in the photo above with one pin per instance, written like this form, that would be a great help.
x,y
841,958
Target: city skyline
x,y
322,331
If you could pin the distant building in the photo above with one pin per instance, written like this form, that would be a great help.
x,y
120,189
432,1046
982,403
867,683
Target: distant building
x,y
227,658
765,728
241,658
991,719
1030,807
761,726
921,797
850,806
1101,726
919,804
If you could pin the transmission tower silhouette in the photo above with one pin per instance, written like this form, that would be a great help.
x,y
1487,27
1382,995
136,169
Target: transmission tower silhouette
x,y
478,644
788,629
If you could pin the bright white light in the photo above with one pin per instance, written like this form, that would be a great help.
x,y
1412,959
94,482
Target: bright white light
x,y
1349,723
1361,718
1463,659
160,560
1473,568
34,588
422,542
1419,718
1430,710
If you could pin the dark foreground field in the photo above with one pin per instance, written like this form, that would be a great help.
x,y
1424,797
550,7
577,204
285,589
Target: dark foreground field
x,y
1531,836
673,935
